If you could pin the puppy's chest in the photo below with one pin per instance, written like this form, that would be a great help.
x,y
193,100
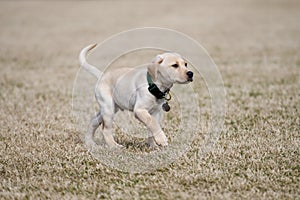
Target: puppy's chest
x,y
156,106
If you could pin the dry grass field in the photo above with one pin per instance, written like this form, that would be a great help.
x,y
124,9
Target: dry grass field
x,y
256,46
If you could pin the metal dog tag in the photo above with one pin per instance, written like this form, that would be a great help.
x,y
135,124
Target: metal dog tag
x,y
166,107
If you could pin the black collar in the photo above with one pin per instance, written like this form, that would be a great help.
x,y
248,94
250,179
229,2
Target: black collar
x,y
154,90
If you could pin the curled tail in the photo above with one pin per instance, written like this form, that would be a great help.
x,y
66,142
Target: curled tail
x,y
83,63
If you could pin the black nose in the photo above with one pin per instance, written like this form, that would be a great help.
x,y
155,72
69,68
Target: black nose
x,y
190,74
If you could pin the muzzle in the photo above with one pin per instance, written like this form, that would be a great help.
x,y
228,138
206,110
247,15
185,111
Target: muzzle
x,y
190,75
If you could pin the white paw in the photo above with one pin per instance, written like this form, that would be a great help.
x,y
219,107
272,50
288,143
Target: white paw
x,y
161,139
152,144
114,145
89,143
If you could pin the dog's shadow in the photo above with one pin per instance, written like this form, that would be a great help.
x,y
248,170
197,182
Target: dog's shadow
x,y
133,144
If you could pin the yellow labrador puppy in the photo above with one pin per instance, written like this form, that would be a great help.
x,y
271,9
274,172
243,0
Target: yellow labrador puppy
x,y
141,90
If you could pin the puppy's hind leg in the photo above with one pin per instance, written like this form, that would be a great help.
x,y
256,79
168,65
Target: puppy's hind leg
x,y
107,131
108,114
94,124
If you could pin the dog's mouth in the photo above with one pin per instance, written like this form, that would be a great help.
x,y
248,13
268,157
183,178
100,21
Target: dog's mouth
x,y
190,79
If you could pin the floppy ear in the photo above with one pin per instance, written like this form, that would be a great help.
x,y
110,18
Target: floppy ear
x,y
158,59
153,67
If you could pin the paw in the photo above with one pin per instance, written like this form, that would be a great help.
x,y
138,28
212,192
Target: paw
x,y
114,145
152,144
89,143
161,139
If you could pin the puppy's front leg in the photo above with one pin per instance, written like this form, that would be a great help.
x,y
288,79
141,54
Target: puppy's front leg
x,y
151,141
153,125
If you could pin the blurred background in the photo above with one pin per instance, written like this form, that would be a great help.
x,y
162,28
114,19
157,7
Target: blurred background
x,y
254,43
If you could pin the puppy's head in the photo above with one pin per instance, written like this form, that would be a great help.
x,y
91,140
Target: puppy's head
x,y
170,67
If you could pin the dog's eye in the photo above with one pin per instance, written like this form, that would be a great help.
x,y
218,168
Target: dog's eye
x,y
185,64
175,65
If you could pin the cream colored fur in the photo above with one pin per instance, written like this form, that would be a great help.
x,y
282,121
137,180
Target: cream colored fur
x,y
127,89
